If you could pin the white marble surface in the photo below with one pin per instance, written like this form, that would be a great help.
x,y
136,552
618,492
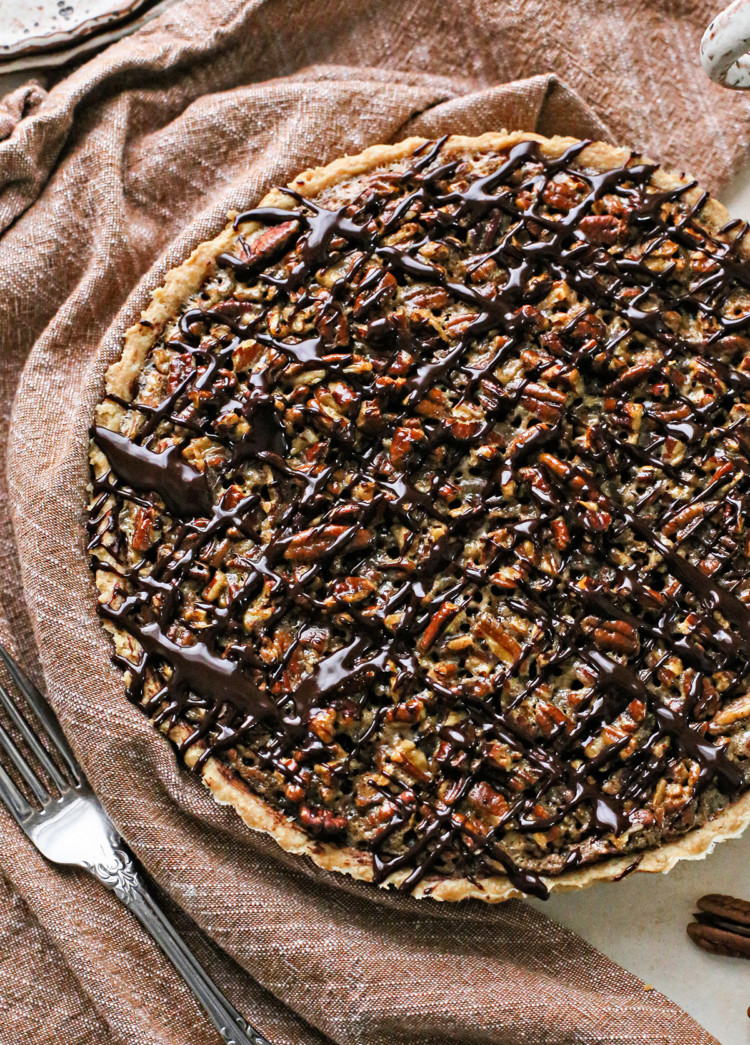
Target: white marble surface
x,y
640,922
738,197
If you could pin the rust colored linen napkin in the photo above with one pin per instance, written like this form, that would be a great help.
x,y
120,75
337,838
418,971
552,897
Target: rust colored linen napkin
x,y
106,181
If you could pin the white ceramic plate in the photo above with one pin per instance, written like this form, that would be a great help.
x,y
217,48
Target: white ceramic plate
x,y
37,33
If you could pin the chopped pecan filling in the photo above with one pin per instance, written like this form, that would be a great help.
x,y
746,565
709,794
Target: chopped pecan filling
x,y
428,514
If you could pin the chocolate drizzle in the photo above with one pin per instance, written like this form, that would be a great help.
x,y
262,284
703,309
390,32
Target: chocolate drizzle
x,y
184,491
424,400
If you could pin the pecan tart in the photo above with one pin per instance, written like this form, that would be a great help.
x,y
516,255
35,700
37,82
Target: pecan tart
x,y
418,515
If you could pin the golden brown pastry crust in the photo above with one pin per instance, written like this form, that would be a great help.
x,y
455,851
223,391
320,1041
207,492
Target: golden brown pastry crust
x,y
226,786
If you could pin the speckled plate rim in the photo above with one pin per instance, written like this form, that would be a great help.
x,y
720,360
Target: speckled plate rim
x,y
59,48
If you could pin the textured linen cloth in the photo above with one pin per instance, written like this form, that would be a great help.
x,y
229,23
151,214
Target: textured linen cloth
x,y
119,171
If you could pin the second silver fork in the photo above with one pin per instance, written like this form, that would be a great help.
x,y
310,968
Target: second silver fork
x,y
72,828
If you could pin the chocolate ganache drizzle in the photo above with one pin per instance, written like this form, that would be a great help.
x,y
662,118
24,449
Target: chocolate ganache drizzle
x,y
428,514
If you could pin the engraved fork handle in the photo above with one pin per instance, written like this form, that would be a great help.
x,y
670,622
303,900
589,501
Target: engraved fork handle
x,y
118,872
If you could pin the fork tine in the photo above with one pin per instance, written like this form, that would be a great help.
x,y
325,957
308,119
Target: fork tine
x,y
16,804
24,769
31,739
41,709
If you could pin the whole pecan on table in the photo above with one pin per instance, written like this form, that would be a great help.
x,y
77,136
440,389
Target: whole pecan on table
x,y
722,926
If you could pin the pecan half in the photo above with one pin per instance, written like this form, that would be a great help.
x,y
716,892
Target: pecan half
x,y
719,941
727,907
601,229
269,243
617,636
310,545
322,823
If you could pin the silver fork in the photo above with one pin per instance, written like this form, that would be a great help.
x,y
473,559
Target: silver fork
x,y
73,829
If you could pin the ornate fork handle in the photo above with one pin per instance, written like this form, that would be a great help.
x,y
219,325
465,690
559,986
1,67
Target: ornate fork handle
x,y
118,872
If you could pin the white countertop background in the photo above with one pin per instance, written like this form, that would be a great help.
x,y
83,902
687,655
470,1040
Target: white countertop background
x,y
640,921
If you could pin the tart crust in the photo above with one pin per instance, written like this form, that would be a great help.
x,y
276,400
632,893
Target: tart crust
x,y
226,786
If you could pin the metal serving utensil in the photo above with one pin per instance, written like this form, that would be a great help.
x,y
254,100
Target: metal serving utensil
x,y
70,827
